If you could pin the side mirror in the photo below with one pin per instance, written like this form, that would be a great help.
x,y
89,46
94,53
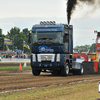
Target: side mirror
x,y
66,38
29,36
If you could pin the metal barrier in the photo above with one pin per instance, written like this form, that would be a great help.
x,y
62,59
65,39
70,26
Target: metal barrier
x,y
91,67
3,64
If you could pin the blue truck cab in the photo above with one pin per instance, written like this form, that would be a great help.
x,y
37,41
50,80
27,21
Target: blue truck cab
x,y
52,48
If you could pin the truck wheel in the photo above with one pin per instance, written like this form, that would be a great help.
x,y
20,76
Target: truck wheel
x,y
36,72
65,70
81,71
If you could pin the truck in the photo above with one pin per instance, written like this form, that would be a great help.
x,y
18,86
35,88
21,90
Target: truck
x,y
52,49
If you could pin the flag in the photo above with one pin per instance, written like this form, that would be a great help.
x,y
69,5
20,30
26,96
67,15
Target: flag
x,y
7,47
7,41
25,45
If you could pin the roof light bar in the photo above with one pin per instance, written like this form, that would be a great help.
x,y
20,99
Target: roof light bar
x,y
48,22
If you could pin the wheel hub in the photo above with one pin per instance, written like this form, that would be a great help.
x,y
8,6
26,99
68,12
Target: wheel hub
x,y
67,69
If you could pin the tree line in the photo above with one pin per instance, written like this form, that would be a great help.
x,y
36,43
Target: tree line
x,y
17,36
85,48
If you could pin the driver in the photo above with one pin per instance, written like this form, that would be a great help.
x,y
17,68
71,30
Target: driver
x,y
59,38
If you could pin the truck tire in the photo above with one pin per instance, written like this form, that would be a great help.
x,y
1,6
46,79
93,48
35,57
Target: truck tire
x,y
81,71
65,70
36,72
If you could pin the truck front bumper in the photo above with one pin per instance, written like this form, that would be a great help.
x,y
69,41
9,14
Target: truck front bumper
x,y
47,66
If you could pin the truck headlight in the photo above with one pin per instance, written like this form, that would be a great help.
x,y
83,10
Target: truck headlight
x,y
34,58
58,58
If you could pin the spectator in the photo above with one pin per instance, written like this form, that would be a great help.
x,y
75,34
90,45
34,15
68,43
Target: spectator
x,y
1,55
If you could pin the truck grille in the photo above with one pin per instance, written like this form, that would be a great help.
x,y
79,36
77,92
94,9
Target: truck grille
x,y
46,57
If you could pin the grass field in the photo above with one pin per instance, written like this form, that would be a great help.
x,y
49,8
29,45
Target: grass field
x,y
14,67
81,91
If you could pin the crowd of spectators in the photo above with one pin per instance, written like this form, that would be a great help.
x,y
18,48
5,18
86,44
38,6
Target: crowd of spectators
x,y
14,56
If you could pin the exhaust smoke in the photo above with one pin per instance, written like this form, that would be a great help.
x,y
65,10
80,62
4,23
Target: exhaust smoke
x,y
71,5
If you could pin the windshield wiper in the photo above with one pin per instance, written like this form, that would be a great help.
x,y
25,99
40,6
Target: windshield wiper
x,y
46,41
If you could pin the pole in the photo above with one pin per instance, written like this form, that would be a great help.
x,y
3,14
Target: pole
x,y
23,46
3,44
3,47
93,45
13,44
23,49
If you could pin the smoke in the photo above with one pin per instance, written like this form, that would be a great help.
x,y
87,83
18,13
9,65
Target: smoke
x,y
71,6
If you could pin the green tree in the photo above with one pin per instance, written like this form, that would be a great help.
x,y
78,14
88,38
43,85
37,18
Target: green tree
x,y
84,48
25,31
17,38
13,36
93,47
2,46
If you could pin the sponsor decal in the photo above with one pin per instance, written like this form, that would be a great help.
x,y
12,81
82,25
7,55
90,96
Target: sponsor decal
x,y
45,49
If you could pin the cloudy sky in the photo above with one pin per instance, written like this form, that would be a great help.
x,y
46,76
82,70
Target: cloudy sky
x,y
26,13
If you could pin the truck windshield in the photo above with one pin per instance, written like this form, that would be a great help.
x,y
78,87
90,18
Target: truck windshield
x,y
47,38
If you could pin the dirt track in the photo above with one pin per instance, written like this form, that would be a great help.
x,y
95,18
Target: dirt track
x,y
16,79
